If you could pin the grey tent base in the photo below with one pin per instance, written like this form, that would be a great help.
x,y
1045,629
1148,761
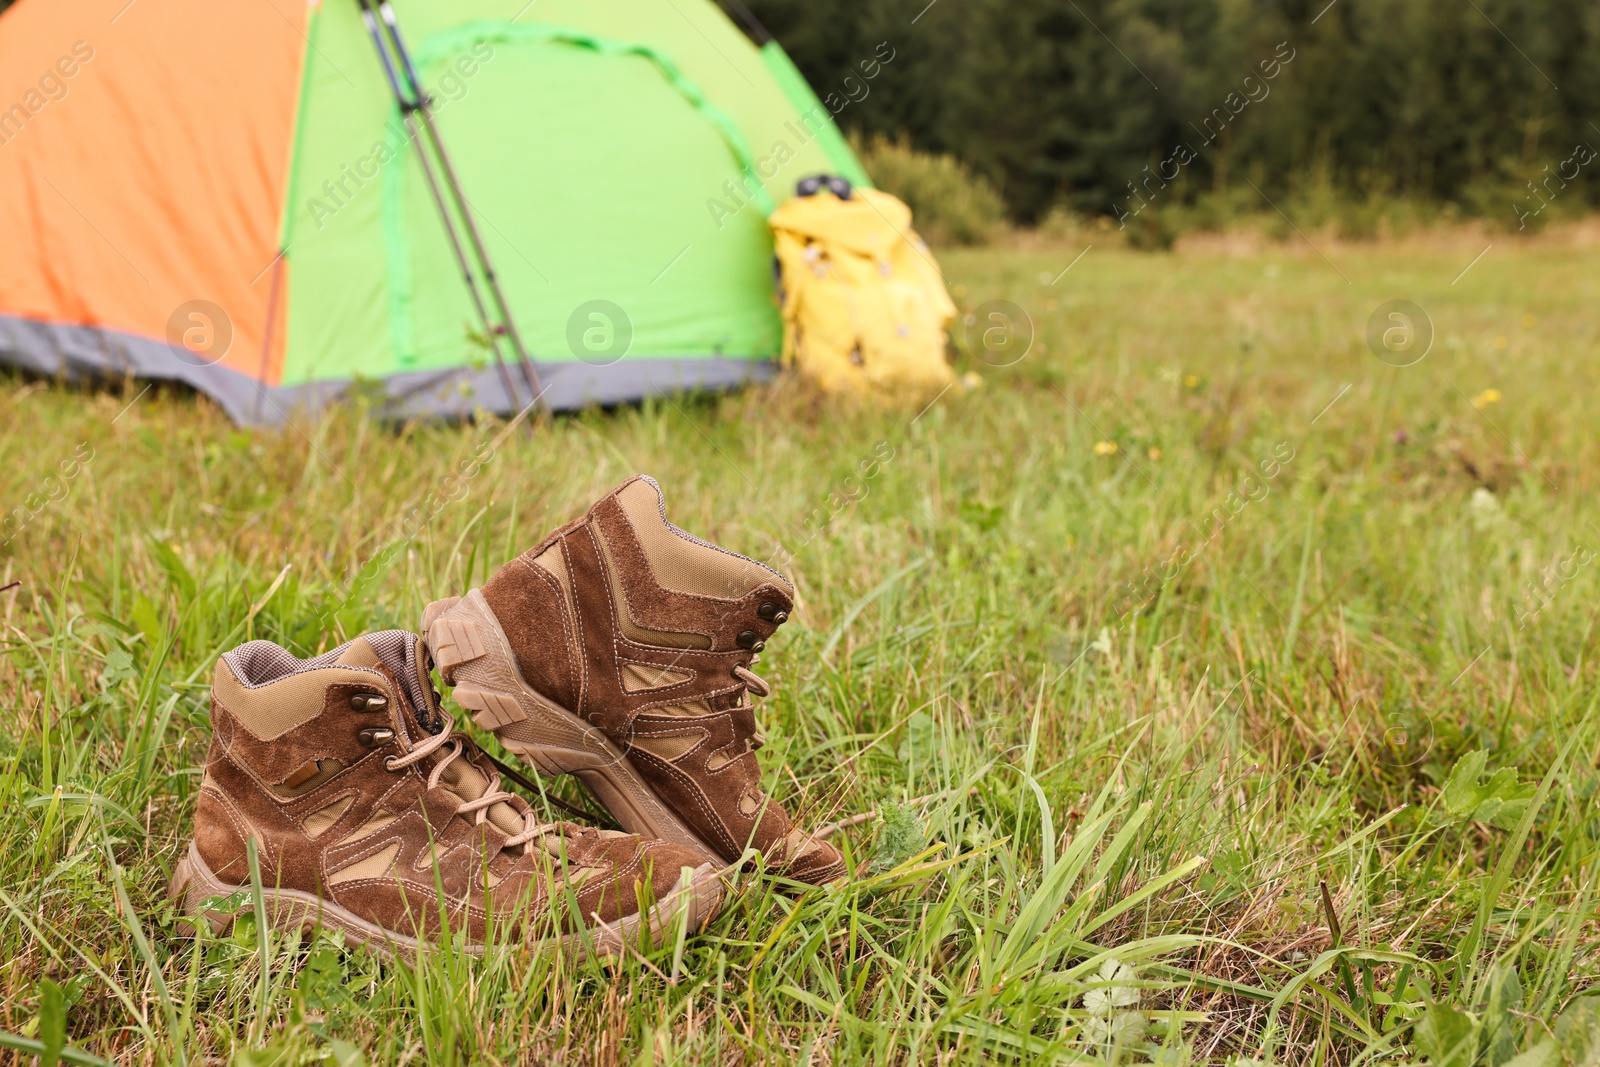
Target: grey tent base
x,y
79,353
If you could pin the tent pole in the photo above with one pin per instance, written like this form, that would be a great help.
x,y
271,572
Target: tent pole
x,y
492,331
751,23
474,239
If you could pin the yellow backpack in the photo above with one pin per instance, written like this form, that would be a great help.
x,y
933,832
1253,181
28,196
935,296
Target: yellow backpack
x,y
864,305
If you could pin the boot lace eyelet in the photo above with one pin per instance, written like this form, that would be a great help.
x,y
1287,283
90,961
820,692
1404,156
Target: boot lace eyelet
x,y
375,736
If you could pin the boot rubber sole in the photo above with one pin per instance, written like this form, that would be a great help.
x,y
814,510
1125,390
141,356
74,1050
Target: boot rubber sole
x,y
194,883
473,654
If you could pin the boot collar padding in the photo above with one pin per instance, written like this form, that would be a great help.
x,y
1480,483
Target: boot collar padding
x,y
682,561
273,708
271,691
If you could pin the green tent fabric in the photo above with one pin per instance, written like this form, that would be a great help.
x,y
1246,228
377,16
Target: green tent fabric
x,y
841,159
619,158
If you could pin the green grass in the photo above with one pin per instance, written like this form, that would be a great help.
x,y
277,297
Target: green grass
x,y
1156,773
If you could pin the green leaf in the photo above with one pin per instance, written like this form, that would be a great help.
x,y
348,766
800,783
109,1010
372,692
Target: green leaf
x,y
147,619
1448,1036
177,573
901,838
1116,1032
119,668
1462,791
346,1054
1545,1054
1501,1017
1117,989
1577,1031
920,742
52,1022
1500,801
976,514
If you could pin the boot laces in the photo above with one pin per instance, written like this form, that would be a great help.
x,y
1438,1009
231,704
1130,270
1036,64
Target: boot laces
x,y
755,685
458,743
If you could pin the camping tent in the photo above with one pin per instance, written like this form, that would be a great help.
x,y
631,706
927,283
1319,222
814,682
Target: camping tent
x,y
229,195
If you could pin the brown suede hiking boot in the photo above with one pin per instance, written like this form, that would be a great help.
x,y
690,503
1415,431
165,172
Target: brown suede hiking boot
x,y
619,650
366,808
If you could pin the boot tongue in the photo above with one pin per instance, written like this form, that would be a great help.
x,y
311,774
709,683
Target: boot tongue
x,y
401,656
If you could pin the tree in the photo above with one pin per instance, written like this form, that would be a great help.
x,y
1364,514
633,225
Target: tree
x,y
1070,101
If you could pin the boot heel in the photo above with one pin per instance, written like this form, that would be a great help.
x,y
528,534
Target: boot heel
x,y
462,633
473,655
436,609
453,635
191,886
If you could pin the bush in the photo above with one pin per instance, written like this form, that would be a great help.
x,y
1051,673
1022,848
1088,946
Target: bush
x,y
948,201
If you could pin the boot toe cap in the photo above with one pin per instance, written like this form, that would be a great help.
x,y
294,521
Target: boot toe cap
x,y
810,859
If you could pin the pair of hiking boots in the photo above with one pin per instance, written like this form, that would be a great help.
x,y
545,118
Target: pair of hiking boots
x,y
618,650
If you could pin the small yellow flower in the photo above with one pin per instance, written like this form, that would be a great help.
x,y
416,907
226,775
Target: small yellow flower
x,y
1501,342
1105,448
1528,321
1191,381
1485,398
1155,454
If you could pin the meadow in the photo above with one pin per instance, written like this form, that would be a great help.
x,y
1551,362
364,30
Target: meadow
x,y
1199,687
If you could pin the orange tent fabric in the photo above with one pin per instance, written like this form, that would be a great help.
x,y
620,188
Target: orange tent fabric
x,y
238,196
131,216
